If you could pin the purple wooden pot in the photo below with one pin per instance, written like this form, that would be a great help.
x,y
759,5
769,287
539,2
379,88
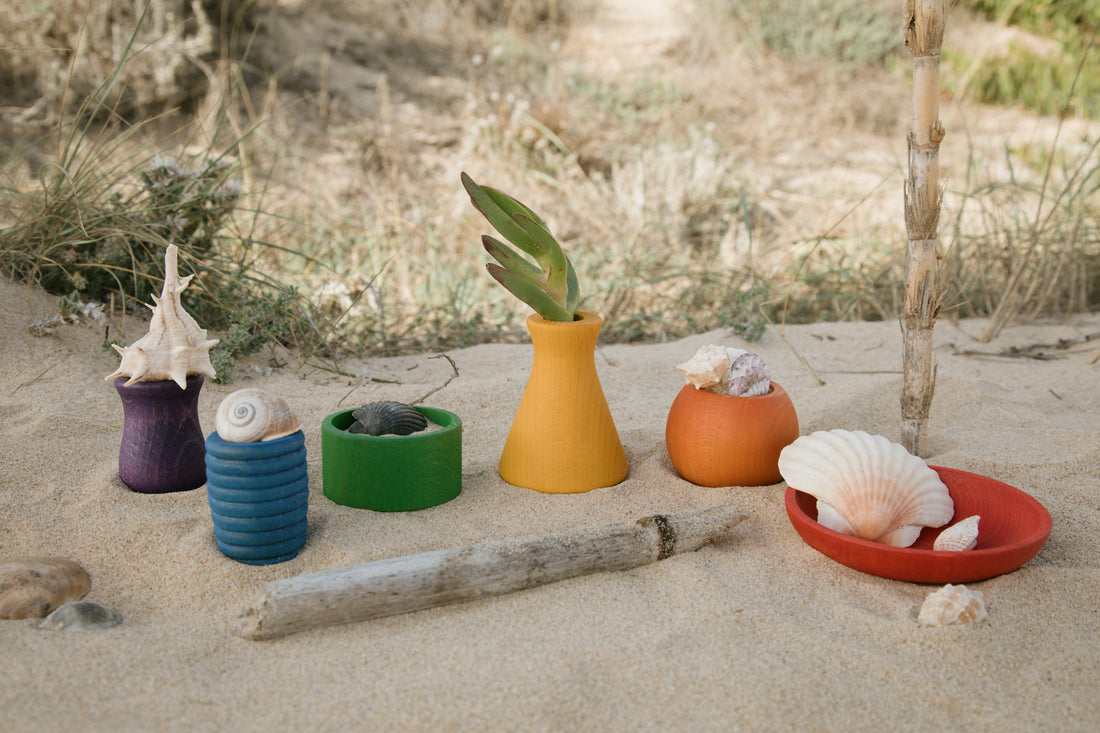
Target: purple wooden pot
x,y
163,448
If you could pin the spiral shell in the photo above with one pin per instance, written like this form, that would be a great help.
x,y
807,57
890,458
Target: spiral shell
x,y
251,415
387,418
959,537
952,604
867,486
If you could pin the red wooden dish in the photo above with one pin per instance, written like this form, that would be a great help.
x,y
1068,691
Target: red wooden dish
x,y
1012,529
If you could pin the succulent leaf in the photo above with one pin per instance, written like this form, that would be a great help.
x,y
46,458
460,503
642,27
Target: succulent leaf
x,y
573,288
509,258
488,201
551,287
530,292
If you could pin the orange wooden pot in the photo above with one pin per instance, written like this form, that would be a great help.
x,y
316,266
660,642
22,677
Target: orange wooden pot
x,y
717,440
563,439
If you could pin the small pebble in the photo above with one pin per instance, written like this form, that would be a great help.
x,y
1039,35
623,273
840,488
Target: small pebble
x,y
80,616
32,587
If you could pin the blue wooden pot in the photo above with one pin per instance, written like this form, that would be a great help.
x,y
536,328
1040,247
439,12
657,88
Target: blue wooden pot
x,y
258,495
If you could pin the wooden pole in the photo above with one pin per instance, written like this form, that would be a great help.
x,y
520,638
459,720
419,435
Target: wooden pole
x,y
925,21
429,579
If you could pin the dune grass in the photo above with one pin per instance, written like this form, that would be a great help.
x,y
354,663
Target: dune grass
x,y
669,234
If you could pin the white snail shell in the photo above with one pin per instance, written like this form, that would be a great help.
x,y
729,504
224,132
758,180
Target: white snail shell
x,y
251,415
959,537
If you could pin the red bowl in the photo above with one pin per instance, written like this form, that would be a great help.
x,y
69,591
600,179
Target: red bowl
x,y
1012,529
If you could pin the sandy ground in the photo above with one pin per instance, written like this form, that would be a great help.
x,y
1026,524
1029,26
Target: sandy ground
x,y
755,632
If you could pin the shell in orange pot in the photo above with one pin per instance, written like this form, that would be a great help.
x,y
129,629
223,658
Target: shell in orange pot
x,y
719,440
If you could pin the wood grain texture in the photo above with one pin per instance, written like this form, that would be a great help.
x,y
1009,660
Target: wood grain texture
x,y
563,438
429,579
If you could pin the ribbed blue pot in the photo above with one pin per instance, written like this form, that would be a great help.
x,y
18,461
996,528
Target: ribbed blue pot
x,y
258,495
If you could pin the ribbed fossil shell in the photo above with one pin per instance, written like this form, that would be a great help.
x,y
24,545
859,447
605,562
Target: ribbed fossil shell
x,y
175,347
959,537
727,371
952,604
251,415
867,486
748,376
387,418
81,615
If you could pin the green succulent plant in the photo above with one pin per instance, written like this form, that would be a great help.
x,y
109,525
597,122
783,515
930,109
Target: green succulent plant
x,y
549,284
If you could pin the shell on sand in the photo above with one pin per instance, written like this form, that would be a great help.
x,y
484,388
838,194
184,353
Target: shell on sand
x,y
174,347
959,537
250,415
80,616
867,486
31,587
952,604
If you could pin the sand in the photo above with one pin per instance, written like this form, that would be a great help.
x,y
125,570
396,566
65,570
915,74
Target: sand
x,y
756,632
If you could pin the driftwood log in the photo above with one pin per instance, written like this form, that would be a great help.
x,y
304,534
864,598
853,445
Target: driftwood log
x,y
414,582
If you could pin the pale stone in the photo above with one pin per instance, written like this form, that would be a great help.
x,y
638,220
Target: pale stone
x,y
32,587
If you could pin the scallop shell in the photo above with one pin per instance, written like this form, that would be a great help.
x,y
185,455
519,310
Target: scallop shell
x,y
387,418
748,376
959,537
727,371
175,347
81,615
251,415
952,604
867,486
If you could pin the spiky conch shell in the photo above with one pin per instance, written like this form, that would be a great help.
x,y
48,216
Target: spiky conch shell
x,y
867,486
952,604
174,347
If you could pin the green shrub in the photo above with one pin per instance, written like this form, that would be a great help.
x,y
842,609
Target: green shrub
x,y
1043,83
851,31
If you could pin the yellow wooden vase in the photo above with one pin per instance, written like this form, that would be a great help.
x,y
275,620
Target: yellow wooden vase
x,y
563,439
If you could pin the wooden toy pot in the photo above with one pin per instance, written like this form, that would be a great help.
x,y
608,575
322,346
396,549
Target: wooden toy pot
x,y
563,439
718,440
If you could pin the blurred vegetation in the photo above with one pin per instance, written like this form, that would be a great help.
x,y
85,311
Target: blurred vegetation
x,y
669,231
1041,82
846,31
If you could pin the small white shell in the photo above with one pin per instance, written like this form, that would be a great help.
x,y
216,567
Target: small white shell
x,y
707,368
952,604
959,537
867,486
727,371
250,415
